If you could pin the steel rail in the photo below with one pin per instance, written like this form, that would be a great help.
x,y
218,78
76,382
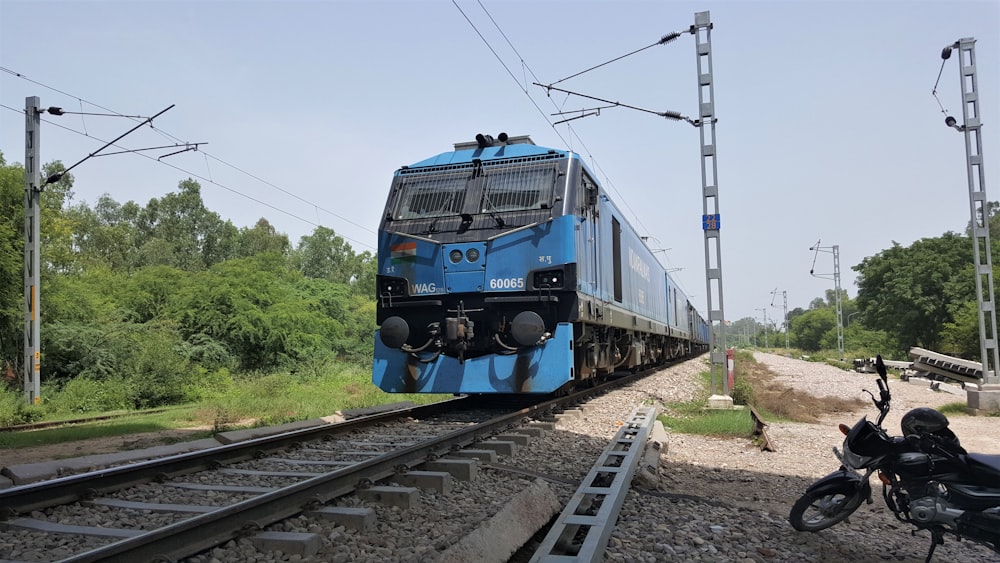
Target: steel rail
x,y
188,537
63,490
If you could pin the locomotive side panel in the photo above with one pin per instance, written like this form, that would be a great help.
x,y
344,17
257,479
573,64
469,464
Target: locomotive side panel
x,y
630,279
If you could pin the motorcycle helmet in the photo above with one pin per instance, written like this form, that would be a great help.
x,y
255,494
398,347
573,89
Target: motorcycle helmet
x,y
923,420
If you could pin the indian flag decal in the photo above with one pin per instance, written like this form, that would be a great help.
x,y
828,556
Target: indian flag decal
x,y
403,252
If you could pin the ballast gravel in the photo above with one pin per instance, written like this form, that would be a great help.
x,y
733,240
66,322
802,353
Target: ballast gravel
x,y
714,499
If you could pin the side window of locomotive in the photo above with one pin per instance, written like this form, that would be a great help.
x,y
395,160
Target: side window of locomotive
x,y
430,196
616,256
588,193
519,189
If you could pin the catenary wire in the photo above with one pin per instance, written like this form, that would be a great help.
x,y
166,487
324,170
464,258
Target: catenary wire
x,y
198,176
179,140
572,131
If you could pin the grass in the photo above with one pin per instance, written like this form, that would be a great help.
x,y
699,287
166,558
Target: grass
x,y
250,401
754,386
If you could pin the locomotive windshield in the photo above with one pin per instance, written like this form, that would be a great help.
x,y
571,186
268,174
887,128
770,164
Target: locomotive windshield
x,y
494,189
520,189
435,195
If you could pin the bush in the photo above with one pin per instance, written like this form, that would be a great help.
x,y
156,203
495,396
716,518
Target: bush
x,y
14,410
207,384
742,392
86,394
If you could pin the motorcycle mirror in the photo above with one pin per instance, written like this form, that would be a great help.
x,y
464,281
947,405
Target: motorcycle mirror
x,y
880,368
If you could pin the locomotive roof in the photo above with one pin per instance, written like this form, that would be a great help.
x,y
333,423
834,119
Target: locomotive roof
x,y
464,152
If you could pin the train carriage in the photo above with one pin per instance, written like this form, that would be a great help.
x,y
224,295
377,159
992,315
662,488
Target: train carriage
x,y
503,267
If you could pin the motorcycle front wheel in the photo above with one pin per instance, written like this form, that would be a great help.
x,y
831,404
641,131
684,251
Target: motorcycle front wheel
x,y
815,512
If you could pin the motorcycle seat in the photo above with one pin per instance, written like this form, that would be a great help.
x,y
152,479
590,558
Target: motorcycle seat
x,y
985,465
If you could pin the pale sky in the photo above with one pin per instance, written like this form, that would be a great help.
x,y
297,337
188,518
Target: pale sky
x,y
827,127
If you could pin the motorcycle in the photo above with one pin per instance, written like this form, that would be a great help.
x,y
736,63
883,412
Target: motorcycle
x,y
928,479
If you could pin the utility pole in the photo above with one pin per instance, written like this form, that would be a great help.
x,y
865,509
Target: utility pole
x,y
835,250
764,310
32,249
784,321
710,219
971,128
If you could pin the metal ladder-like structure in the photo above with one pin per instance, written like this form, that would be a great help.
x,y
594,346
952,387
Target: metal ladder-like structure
x,y
710,219
977,206
582,530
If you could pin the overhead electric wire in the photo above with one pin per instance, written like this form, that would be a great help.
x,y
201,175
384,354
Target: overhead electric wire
x,y
196,175
663,40
572,131
179,140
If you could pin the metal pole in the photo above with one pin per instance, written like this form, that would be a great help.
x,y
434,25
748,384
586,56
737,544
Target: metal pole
x,y
784,297
710,219
971,127
764,310
840,310
835,250
32,249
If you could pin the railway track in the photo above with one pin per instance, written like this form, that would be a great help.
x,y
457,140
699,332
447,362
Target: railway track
x,y
175,507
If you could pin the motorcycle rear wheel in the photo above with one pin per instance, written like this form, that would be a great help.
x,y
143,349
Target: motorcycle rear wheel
x,y
813,512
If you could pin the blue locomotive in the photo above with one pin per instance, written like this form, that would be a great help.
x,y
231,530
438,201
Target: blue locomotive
x,y
504,267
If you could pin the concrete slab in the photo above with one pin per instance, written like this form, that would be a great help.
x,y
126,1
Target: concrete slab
x,y
722,402
499,537
289,543
402,497
378,409
985,400
360,519
648,473
34,525
488,456
517,438
251,433
461,469
439,481
501,447
24,474
533,431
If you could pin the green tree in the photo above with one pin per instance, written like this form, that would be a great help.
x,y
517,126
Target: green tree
x,y
262,238
810,328
908,292
11,261
960,336
326,255
178,230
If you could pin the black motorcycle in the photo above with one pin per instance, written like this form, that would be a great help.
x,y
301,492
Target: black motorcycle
x,y
928,479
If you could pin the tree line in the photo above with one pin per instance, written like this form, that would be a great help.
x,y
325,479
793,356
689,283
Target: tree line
x,y
164,298
921,295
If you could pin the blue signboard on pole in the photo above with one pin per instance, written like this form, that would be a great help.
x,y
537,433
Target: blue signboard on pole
x,y
710,222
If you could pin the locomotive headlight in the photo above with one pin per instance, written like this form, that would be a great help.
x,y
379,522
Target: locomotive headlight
x,y
549,279
455,256
472,255
392,286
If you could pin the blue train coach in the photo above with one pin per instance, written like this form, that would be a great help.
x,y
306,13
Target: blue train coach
x,y
504,267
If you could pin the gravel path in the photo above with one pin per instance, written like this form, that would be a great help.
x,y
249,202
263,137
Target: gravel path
x,y
745,494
